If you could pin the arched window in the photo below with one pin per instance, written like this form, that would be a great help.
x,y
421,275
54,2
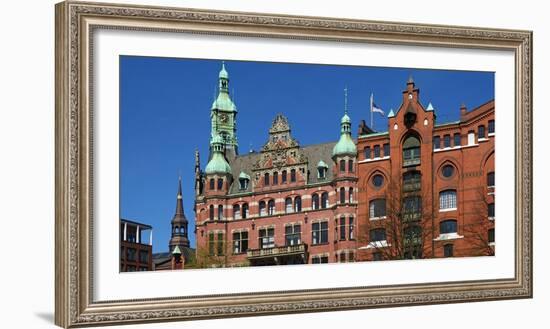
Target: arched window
x,y
293,175
236,211
491,179
211,184
315,201
220,183
411,151
211,212
350,165
351,195
447,200
266,179
271,207
324,200
275,178
297,204
377,208
288,205
447,226
411,181
283,177
342,195
262,208
342,165
220,212
245,210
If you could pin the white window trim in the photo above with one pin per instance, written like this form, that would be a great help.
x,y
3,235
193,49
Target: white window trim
x,y
447,209
374,159
484,139
470,145
491,134
492,218
448,149
448,236
491,244
376,244
378,218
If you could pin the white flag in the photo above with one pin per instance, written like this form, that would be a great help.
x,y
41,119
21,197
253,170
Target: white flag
x,y
374,107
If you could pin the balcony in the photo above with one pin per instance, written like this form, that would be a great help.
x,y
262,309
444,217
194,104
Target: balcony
x,y
285,255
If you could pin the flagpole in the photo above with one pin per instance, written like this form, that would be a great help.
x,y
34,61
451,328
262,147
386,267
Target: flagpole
x,y
371,122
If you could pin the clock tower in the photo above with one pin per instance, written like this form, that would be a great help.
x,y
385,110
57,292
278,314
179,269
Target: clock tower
x,y
223,116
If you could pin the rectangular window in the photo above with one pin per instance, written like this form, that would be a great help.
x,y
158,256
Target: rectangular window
x,y
131,254
266,238
293,176
283,178
143,256
350,165
437,142
266,179
491,179
471,138
351,229
220,184
293,234
342,165
342,228
447,200
386,150
319,260
447,141
378,234
448,250
240,242
376,151
377,208
319,233
491,210
367,153
491,235
211,243
220,244
275,178
457,139
342,257
481,132
491,126
412,208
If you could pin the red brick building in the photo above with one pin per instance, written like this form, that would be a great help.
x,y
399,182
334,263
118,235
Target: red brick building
x,y
136,254
427,189
418,190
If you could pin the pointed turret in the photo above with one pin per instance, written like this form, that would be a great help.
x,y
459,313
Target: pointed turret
x,y
179,223
346,145
223,115
217,164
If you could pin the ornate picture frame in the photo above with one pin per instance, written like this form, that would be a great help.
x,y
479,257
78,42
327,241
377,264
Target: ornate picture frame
x,y
76,22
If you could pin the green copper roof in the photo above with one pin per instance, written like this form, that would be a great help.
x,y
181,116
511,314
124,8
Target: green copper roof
x,y
322,164
244,175
176,251
224,102
223,72
346,145
217,164
345,119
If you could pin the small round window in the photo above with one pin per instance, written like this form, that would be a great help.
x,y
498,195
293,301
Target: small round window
x,y
378,180
448,171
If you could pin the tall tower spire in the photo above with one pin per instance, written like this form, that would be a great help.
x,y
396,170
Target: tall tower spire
x,y
179,223
223,115
346,145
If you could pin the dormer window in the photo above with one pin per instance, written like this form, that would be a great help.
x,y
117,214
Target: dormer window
x,y
243,183
322,169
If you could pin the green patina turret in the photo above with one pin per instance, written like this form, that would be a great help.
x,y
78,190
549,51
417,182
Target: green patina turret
x,y
217,164
346,145
223,114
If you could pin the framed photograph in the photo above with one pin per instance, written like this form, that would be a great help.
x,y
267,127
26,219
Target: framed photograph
x,y
201,153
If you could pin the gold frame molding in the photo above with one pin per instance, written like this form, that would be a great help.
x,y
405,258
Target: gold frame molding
x,y
76,22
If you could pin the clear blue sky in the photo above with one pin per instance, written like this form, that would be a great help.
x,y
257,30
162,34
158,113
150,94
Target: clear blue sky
x,y
165,115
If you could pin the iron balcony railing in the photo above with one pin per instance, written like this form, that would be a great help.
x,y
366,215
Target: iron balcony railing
x,y
277,251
